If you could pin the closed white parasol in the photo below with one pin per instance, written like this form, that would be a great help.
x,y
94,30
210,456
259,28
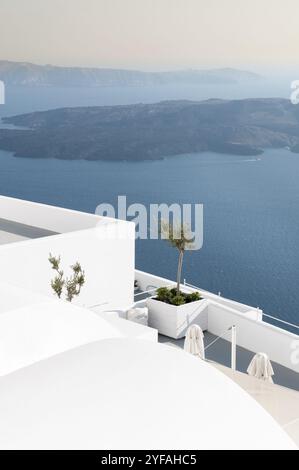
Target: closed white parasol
x,y
261,367
194,341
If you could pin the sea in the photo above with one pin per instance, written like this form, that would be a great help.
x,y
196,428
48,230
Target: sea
x,y
251,204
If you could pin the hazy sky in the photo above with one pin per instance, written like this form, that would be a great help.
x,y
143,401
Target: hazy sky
x,y
151,34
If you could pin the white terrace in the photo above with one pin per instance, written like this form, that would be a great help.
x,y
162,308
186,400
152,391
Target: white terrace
x,y
105,248
34,325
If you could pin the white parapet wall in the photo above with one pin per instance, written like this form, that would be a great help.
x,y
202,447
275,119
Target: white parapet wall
x,y
257,336
147,281
253,333
54,219
104,247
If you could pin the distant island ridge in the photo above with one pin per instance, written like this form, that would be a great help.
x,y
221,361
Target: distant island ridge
x,y
153,131
32,75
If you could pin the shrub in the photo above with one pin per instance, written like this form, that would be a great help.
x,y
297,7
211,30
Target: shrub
x,y
72,284
170,296
193,297
178,300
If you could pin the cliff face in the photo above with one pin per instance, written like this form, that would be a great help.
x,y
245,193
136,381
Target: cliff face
x,y
152,131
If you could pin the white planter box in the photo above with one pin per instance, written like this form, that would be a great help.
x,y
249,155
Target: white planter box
x,y
173,321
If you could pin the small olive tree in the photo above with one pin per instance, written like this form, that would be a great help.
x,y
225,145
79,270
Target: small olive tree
x,y
179,236
72,284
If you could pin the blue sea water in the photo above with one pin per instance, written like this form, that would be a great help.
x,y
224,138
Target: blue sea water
x,y
251,224
251,205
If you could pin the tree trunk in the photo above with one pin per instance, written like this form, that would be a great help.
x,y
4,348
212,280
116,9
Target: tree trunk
x,y
179,273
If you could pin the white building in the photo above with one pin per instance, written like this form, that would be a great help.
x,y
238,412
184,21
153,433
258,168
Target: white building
x,y
80,376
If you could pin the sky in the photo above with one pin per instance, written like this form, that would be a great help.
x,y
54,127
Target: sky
x,y
151,34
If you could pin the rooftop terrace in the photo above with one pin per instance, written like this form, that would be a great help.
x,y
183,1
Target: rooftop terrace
x,y
220,352
11,232
44,326
253,334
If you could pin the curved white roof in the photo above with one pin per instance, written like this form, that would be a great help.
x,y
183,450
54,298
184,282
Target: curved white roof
x,y
130,394
50,327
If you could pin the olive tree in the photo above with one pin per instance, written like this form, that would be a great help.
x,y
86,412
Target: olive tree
x,y
179,236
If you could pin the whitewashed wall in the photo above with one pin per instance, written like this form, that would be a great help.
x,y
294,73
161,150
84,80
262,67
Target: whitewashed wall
x,y
51,218
147,280
257,336
252,333
108,263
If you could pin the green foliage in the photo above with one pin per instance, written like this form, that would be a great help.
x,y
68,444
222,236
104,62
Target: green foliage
x,y
193,297
72,284
57,285
163,294
179,236
58,282
170,296
178,300
173,291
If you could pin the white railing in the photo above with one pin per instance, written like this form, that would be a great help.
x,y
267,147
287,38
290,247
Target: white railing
x,y
254,334
279,320
229,302
233,345
151,291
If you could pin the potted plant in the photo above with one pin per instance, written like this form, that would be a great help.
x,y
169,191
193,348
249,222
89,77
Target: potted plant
x,y
172,310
